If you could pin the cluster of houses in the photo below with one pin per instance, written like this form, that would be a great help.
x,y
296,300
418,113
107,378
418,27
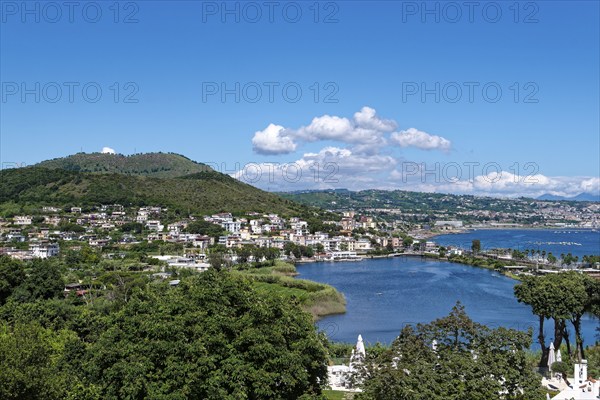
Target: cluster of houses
x,y
273,231
37,236
520,212
37,249
26,237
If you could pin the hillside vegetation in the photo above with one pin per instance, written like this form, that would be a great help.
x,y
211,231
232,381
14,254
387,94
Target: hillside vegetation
x,y
158,165
204,192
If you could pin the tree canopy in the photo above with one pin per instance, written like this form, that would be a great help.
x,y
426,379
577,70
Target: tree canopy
x,y
212,337
452,358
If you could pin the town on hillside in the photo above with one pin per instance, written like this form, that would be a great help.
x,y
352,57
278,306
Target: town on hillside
x,y
188,242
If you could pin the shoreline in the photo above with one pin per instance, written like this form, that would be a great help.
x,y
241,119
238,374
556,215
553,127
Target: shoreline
x,y
505,228
507,274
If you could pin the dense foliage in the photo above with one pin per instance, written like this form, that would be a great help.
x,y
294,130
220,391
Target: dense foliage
x,y
203,193
563,297
158,165
452,358
212,337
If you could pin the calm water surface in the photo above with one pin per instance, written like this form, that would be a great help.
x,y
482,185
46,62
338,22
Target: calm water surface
x,y
578,242
383,295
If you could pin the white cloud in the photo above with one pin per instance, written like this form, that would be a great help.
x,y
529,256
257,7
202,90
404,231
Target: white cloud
x,y
346,162
591,185
498,183
367,118
272,140
415,138
366,131
108,150
508,184
335,167
365,162
326,127
331,167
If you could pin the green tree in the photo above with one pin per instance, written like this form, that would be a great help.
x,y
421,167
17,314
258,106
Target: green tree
x,y
203,227
12,275
469,361
442,251
244,253
476,246
271,254
219,259
34,362
562,297
213,337
44,280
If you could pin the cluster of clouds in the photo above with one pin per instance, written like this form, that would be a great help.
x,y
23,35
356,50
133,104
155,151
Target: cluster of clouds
x,y
333,168
496,184
365,133
358,154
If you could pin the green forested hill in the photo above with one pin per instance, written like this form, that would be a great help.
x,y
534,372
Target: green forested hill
x,y
158,165
202,192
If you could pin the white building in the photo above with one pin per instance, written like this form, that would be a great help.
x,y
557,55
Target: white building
x,y
142,216
300,228
44,250
344,255
231,226
22,220
582,387
154,225
448,224
362,245
455,252
176,227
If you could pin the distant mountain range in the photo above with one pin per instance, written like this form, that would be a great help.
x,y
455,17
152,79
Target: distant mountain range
x,y
166,179
579,197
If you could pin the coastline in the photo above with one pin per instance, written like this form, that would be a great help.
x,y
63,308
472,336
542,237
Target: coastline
x,y
512,228
490,263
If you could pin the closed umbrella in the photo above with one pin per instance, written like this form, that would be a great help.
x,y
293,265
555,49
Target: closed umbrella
x,y
360,347
558,356
551,355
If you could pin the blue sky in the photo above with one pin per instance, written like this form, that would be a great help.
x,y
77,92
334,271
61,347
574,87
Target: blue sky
x,y
170,62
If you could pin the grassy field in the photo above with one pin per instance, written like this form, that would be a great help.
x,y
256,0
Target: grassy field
x,y
337,395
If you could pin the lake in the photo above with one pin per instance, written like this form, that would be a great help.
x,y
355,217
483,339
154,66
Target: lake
x,y
385,294
578,242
